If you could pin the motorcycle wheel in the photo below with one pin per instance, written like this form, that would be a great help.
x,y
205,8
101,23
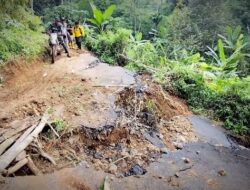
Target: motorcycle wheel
x,y
53,54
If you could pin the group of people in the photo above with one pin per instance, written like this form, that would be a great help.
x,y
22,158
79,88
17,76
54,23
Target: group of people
x,y
65,34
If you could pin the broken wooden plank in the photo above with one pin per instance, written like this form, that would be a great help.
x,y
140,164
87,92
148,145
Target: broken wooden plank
x,y
21,156
19,145
17,166
13,132
33,167
6,144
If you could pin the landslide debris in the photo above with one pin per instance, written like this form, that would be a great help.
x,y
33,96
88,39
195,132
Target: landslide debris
x,y
117,130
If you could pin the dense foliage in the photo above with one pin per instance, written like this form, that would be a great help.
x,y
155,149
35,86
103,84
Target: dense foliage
x,y
20,31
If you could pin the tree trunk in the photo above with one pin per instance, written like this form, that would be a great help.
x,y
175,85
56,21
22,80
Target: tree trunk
x,y
32,6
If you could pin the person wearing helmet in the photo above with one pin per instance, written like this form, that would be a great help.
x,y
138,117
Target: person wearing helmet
x,y
58,26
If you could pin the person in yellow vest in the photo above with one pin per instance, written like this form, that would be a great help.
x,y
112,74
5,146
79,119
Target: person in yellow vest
x,y
79,34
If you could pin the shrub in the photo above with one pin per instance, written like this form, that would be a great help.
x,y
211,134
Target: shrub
x,y
110,45
20,37
230,102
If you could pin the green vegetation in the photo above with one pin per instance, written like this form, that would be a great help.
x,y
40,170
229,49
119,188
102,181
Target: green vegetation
x,y
59,125
101,19
214,81
197,49
20,31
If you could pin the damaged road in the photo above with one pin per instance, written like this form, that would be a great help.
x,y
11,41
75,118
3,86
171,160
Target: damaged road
x,y
105,121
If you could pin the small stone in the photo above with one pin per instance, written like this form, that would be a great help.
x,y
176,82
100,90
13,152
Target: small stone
x,y
124,153
98,156
112,144
113,169
164,150
137,170
182,139
177,175
178,145
187,161
198,152
83,80
151,159
222,173
161,136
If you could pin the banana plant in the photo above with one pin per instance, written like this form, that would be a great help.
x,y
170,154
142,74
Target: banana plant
x,y
101,19
228,62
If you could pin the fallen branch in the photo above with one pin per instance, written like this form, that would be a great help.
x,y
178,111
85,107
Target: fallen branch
x,y
7,143
48,157
53,130
22,143
16,167
44,154
33,167
118,160
26,133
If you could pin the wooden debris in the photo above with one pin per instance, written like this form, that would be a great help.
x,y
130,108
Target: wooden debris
x,y
21,156
51,127
22,143
44,154
33,167
8,134
7,143
16,167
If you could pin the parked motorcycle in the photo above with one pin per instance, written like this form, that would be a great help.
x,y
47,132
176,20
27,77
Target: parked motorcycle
x,y
56,46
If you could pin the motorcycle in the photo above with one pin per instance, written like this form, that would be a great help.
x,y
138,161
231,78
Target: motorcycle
x,y
56,46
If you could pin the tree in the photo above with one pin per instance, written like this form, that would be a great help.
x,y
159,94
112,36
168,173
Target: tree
x,y
32,6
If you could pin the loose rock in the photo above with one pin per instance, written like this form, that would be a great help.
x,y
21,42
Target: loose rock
x,y
178,145
136,170
164,150
186,160
222,173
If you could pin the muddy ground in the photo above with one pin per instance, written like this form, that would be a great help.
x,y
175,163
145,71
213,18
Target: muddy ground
x,y
113,122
